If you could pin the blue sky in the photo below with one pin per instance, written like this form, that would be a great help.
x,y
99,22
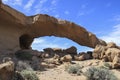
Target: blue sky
x,y
101,17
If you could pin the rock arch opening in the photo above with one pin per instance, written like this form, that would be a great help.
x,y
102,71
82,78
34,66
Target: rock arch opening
x,y
25,41
56,42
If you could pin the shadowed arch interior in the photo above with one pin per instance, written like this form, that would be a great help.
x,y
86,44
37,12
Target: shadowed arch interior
x,y
25,41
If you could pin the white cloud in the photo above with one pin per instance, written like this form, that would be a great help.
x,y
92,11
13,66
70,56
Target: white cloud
x,y
5,0
13,2
114,35
54,2
84,11
42,8
41,43
81,14
38,41
29,5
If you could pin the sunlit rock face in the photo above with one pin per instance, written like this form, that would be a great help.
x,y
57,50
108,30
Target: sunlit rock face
x,y
18,31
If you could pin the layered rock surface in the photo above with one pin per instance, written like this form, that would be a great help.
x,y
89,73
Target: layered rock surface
x,y
18,31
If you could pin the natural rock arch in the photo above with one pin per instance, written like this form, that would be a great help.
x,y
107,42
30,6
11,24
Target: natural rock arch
x,y
14,26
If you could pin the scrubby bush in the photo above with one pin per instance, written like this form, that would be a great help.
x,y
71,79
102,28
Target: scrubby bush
x,y
24,55
25,75
95,73
74,69
106,65
23,66
29,75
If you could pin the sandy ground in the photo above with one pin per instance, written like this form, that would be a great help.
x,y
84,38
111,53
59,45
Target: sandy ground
x,y
117,73
59,72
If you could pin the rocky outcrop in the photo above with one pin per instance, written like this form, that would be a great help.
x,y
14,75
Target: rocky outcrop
x,y
18,31
66,58
116,62
110,53
82,56
71,50
99,51
7,70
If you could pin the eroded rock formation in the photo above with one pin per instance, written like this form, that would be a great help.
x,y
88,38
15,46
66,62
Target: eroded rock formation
x,y
18,31
6,70
110,53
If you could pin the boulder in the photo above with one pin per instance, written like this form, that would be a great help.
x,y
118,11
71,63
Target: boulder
x,y
90,54
46,65
105,58
49,50
46,55
79,57
111,53
66,58
71,50
6,59
7,70
99,52
21,30
76,58
111,45
82,56
51,65
56,56
116,62
57,50
102,42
